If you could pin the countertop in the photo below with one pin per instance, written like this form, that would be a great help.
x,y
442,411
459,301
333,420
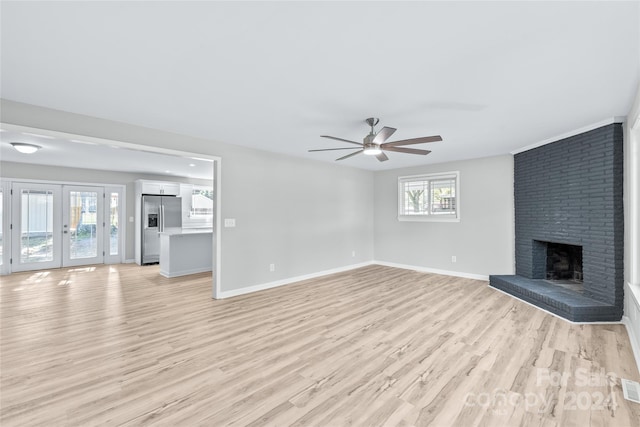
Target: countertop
x,y
182,231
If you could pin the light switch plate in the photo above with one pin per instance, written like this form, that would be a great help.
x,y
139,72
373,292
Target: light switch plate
x,y
229,222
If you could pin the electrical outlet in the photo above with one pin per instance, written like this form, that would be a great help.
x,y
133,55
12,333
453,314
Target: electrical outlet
x,y
353,253
453,258
131,219
229,222
272,267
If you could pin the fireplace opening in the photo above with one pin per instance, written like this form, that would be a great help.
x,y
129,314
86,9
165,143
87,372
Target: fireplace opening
x,y
564,262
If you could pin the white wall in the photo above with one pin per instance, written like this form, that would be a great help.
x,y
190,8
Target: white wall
x,y
304,216
55,173
632,225
483,240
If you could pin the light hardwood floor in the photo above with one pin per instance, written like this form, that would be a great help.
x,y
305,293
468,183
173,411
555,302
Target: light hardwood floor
x,y
121,345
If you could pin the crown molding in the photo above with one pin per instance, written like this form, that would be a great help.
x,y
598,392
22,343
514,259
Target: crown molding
x,y
608,121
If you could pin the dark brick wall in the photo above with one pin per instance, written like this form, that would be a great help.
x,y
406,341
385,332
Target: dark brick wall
x,y
570,191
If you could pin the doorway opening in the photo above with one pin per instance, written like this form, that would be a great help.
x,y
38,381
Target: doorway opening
x,y
132,149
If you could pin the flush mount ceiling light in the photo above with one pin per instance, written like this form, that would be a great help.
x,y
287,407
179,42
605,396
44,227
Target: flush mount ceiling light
x,y
25,148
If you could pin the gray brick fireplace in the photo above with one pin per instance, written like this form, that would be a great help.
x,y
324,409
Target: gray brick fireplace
x,y
569,226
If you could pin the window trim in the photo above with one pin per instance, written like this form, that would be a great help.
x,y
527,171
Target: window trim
x,y
428,217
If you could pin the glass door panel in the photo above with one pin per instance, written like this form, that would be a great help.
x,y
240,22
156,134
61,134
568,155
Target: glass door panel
x,y
114,217
114,228
36,227
36,236
82,226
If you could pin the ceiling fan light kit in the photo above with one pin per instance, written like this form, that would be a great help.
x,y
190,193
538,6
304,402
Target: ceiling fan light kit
x,y
372,150
374,144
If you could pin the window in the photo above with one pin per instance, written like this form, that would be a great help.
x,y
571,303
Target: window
x,y
198,203
432,197
201,202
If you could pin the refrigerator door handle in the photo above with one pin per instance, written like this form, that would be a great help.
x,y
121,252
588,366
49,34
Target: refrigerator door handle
x,y
161,223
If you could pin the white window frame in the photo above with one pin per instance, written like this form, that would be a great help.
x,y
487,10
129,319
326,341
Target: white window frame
x,y
427,217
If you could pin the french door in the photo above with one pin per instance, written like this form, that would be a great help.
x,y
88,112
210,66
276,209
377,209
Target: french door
x,y
64,225
36,226
82,225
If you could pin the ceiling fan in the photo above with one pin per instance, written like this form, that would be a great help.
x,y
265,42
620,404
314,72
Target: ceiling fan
x,y
374,144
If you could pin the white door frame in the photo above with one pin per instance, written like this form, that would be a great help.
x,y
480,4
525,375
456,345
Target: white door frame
x,y
217,181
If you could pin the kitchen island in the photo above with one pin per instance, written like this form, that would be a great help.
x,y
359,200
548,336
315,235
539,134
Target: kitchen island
x,y
186,251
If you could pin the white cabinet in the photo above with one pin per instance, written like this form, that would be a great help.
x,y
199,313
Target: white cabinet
x,y
160,188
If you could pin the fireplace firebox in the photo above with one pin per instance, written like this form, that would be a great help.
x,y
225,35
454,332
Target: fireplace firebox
x,y
564,262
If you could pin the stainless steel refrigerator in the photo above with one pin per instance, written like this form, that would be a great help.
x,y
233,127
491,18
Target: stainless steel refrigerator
x,y
158,214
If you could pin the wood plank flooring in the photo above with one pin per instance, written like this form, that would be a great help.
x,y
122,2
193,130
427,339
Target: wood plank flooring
x,y
376,346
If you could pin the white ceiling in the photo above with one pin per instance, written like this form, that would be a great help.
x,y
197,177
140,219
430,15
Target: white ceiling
x,y
87,154
489,77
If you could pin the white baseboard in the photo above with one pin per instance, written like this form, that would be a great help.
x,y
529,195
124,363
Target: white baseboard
x,y
631,318
634,336
184,272
264,286
434,270
129,261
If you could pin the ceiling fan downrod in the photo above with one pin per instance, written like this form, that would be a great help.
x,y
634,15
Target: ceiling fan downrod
x,y
372,121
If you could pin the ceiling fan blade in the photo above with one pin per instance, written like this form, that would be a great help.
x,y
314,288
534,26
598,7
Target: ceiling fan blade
x,y
382,157
333,149
340,139
383,134
422,140
406,150
349,155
